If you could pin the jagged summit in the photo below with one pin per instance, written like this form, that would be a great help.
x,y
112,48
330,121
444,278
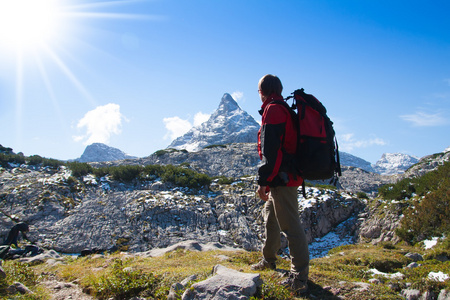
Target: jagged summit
x,y
97,152
227,104
228,124
394,163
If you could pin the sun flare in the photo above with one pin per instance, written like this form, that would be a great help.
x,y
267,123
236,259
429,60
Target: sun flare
x,y
28,23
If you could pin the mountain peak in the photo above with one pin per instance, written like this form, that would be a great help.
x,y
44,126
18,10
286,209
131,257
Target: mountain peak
x,y
394,163
228,124
98,152
227,104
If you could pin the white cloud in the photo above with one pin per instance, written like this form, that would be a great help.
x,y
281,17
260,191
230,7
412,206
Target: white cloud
x,y
176,127
200,118
100,123
348,142
238,96
421,119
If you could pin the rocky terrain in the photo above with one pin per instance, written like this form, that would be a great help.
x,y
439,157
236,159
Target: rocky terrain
x,y
70,217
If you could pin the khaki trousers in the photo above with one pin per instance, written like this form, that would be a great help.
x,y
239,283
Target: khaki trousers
x,y
281,214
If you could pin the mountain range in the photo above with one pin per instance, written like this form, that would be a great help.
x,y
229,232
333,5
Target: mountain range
x,y
229,124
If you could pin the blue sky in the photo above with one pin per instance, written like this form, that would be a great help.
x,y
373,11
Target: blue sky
x,y
136,74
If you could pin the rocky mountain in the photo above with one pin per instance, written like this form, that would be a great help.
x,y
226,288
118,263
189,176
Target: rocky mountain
x,y
100,152
394,163
228,124
350,160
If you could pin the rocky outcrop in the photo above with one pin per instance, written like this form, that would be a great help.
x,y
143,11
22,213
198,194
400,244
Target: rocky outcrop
x,y
70,216
379,223
357,180
427,163
225,284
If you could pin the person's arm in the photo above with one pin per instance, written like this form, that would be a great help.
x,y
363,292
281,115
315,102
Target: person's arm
x,y
271,138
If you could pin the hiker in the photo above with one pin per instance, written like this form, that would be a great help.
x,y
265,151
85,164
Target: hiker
x,y
278,185
13,235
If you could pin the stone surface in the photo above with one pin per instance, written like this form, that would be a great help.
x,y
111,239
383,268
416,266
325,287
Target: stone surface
x,y
224,284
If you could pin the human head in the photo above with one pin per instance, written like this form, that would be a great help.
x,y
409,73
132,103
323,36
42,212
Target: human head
x,y
269,84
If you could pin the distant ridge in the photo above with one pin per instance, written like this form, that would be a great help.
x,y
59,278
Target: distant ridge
x,y
228,124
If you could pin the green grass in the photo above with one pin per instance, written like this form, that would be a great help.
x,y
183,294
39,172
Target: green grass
x,y
339,274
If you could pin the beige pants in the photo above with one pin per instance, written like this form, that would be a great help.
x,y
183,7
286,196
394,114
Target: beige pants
x,y
281,214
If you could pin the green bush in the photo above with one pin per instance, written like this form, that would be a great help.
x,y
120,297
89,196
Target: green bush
x,y
184,177
52,163
407,187
6,150
215,146
224,180
80,169
125,173
362,195
152,171
428,214
35,160
11,158
124,283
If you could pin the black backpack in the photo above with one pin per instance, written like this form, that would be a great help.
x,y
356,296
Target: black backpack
x,y
317,156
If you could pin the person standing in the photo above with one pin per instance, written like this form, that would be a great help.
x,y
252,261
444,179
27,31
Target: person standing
x,y
278,184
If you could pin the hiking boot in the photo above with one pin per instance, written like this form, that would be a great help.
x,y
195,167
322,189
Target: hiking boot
x,y
299,287
263,265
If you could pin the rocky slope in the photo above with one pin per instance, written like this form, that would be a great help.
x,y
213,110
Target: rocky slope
x,y
69,216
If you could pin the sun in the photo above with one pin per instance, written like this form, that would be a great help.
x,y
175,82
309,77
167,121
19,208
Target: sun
x,y
28,23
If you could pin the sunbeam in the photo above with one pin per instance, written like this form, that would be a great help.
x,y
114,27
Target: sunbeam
x,y
50,90
77,83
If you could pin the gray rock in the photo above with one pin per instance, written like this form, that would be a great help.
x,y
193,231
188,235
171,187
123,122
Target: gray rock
x,y
414,256
2,273
411,294
444,295
412,265
18,287
225,284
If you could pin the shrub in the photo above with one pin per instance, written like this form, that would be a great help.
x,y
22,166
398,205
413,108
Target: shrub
x,y
362,195
101,172
428,214
35,160
152,171
224,180
6,150
215,146
11,158
80,169
123,283
125,173
184,177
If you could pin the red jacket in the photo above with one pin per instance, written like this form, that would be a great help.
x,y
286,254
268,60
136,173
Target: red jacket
x,y
277,142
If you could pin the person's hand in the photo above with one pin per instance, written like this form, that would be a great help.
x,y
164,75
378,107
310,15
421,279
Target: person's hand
x,y
263,193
